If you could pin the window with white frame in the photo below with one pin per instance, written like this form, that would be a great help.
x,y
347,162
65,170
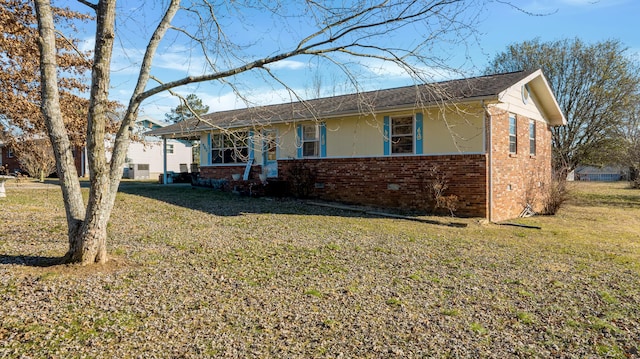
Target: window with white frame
x,y
402,135
532,137
169,149
230,147
270,145
9,153
513,134
310,140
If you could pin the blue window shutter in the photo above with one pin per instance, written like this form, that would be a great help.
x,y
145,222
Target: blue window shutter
x,y
209,148
419,134
299,141
250,145
386,135
323,139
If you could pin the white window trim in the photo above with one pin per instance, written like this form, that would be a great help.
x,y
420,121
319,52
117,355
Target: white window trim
x,y
533,150
413,135
316,140
223,148
515,119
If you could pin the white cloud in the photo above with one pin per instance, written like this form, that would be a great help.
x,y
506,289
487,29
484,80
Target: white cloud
x,y
598,3
162,103
547,6
87,44
287,65
389,70
181,61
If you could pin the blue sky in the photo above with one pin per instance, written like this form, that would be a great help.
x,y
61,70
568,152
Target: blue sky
x,y
500,25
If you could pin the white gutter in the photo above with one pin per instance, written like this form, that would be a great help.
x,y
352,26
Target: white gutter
x,y
164,158
488,145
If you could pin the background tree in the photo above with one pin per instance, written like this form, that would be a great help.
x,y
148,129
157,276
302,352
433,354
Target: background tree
x,y
188,108
20,115
344,36
629,154
594,84
36,157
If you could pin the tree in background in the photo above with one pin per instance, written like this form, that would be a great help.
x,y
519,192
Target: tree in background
x,y
20,98
595,85
346,36
36,157
629,154
188,108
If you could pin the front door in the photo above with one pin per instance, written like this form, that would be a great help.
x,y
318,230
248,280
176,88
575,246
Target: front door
x,y
270,153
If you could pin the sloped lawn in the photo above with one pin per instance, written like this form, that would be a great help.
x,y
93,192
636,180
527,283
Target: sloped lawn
x,y
197,273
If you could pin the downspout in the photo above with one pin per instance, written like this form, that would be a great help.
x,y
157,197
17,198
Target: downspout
x,y
164,160
488,149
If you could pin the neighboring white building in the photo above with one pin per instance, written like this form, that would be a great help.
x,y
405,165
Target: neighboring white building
x,y
145,159
602,174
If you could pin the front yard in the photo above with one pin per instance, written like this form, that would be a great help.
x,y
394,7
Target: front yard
x,y
198,273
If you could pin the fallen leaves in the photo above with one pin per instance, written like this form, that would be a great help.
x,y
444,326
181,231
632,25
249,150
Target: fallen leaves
x,y
214,275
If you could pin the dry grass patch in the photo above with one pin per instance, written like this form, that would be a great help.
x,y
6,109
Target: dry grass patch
x,y
206,274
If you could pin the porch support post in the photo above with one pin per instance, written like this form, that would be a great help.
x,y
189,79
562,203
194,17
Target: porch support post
x,y
164,160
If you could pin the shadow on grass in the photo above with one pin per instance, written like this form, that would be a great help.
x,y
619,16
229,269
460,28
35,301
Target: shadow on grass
x,y
228,204
30,261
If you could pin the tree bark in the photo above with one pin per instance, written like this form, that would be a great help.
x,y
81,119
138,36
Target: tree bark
x,y
68,176
87,228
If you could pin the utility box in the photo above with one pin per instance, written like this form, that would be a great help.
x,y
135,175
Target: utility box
x,y
137,171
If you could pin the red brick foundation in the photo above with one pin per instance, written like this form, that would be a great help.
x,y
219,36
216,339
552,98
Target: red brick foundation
x,y
226,171
397,182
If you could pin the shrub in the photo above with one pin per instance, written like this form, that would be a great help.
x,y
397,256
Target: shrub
x,y
555,196
302,180
437,187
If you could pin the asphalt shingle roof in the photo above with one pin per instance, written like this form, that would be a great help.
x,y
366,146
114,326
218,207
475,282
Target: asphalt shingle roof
x,y
351,104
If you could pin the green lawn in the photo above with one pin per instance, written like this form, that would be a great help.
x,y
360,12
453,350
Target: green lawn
x,y
198,273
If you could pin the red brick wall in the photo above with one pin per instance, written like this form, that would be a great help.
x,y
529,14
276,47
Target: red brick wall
x,y
517,179
398,181
10,163
225,172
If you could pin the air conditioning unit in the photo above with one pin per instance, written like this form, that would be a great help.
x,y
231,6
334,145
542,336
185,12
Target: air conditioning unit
x,y
137,171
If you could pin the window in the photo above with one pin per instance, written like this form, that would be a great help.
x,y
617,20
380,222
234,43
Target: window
x,y
169,149
310,140
513,134
229,147
402,135
270,145
532,137
9,153
526,94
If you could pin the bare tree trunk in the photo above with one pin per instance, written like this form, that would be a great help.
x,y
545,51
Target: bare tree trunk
x,y
90,245
87,229
69,182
